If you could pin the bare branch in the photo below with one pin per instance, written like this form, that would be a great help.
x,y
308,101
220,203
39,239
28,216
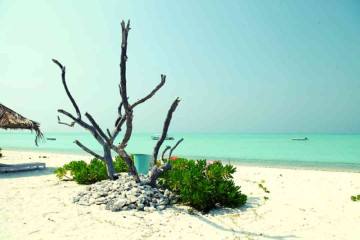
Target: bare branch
x,y
119,109
121,103
123,59
173,148
88,150
164,132
155,171
108,132
163,78
69,115
123,89
116,131
72,124
164,151
117,121
120,120
129,118
97,128
63,72
84,125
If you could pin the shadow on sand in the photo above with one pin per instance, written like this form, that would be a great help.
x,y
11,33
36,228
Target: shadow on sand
x,y
252,203
27,173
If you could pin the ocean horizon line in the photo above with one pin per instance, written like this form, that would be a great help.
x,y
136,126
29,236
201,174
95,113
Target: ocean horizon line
x,y
314,133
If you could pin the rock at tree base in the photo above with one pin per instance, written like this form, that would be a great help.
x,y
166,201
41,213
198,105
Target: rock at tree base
x,y
125,194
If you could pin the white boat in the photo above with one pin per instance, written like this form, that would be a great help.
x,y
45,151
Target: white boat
x,y
300,139
157,137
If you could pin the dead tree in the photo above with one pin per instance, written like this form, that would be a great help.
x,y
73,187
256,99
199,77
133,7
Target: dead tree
x,y
128,116
107,140
94,128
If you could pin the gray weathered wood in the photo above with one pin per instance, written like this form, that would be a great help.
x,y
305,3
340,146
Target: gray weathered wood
x,y
94,128
155,171
109,162
164,151
128,115
72,124
164,132
88,150
107,139
63,72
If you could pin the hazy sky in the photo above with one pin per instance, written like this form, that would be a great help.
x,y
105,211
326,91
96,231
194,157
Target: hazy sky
x,y
238,66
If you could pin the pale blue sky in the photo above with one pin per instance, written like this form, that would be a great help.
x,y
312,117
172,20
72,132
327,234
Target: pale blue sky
x,y
238,66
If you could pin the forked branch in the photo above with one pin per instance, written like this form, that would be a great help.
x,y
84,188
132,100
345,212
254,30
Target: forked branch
x,y
164,132
97,128
164,151
155,171
88,150
123,59
72,124
172,149
63,73
83,124
163,79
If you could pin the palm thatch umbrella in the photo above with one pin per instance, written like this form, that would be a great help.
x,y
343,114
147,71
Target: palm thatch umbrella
x,y
12,120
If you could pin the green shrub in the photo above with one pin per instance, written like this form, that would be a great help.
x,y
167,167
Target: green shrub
x,y
120,165
203,186
0,153
355,198
84,173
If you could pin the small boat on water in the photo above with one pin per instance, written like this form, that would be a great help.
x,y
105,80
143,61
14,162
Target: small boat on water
x,y
51,139
300,139
157,137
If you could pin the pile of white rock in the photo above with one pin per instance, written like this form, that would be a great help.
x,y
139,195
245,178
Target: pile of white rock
x,y
125,194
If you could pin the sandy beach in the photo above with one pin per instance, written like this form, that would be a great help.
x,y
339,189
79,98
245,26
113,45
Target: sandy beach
x,y
302,204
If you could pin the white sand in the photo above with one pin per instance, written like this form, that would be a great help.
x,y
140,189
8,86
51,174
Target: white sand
x,y
302,204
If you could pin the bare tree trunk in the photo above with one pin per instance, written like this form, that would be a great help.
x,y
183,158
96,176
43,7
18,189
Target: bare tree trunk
x,y
109,162
130,164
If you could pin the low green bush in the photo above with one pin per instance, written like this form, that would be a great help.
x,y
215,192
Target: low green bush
x,y
84,173
203,186
120,165
355,198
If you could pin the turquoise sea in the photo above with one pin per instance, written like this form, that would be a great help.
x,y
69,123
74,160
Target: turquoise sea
x,y
322,151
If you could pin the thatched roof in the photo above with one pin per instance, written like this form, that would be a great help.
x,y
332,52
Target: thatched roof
x,y
12,120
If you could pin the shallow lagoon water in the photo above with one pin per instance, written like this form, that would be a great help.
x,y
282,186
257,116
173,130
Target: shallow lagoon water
x,y
321,151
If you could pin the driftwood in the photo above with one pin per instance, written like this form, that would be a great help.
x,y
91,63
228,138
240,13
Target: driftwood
x,y
125,116
93,129
72,124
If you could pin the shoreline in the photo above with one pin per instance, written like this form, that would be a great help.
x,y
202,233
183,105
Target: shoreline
x,y
301,204
239,163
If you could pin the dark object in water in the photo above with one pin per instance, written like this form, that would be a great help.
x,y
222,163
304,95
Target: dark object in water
x,y
157,137
300,139
52,139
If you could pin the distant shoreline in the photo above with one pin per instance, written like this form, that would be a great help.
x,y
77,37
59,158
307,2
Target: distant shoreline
x,y
281,164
